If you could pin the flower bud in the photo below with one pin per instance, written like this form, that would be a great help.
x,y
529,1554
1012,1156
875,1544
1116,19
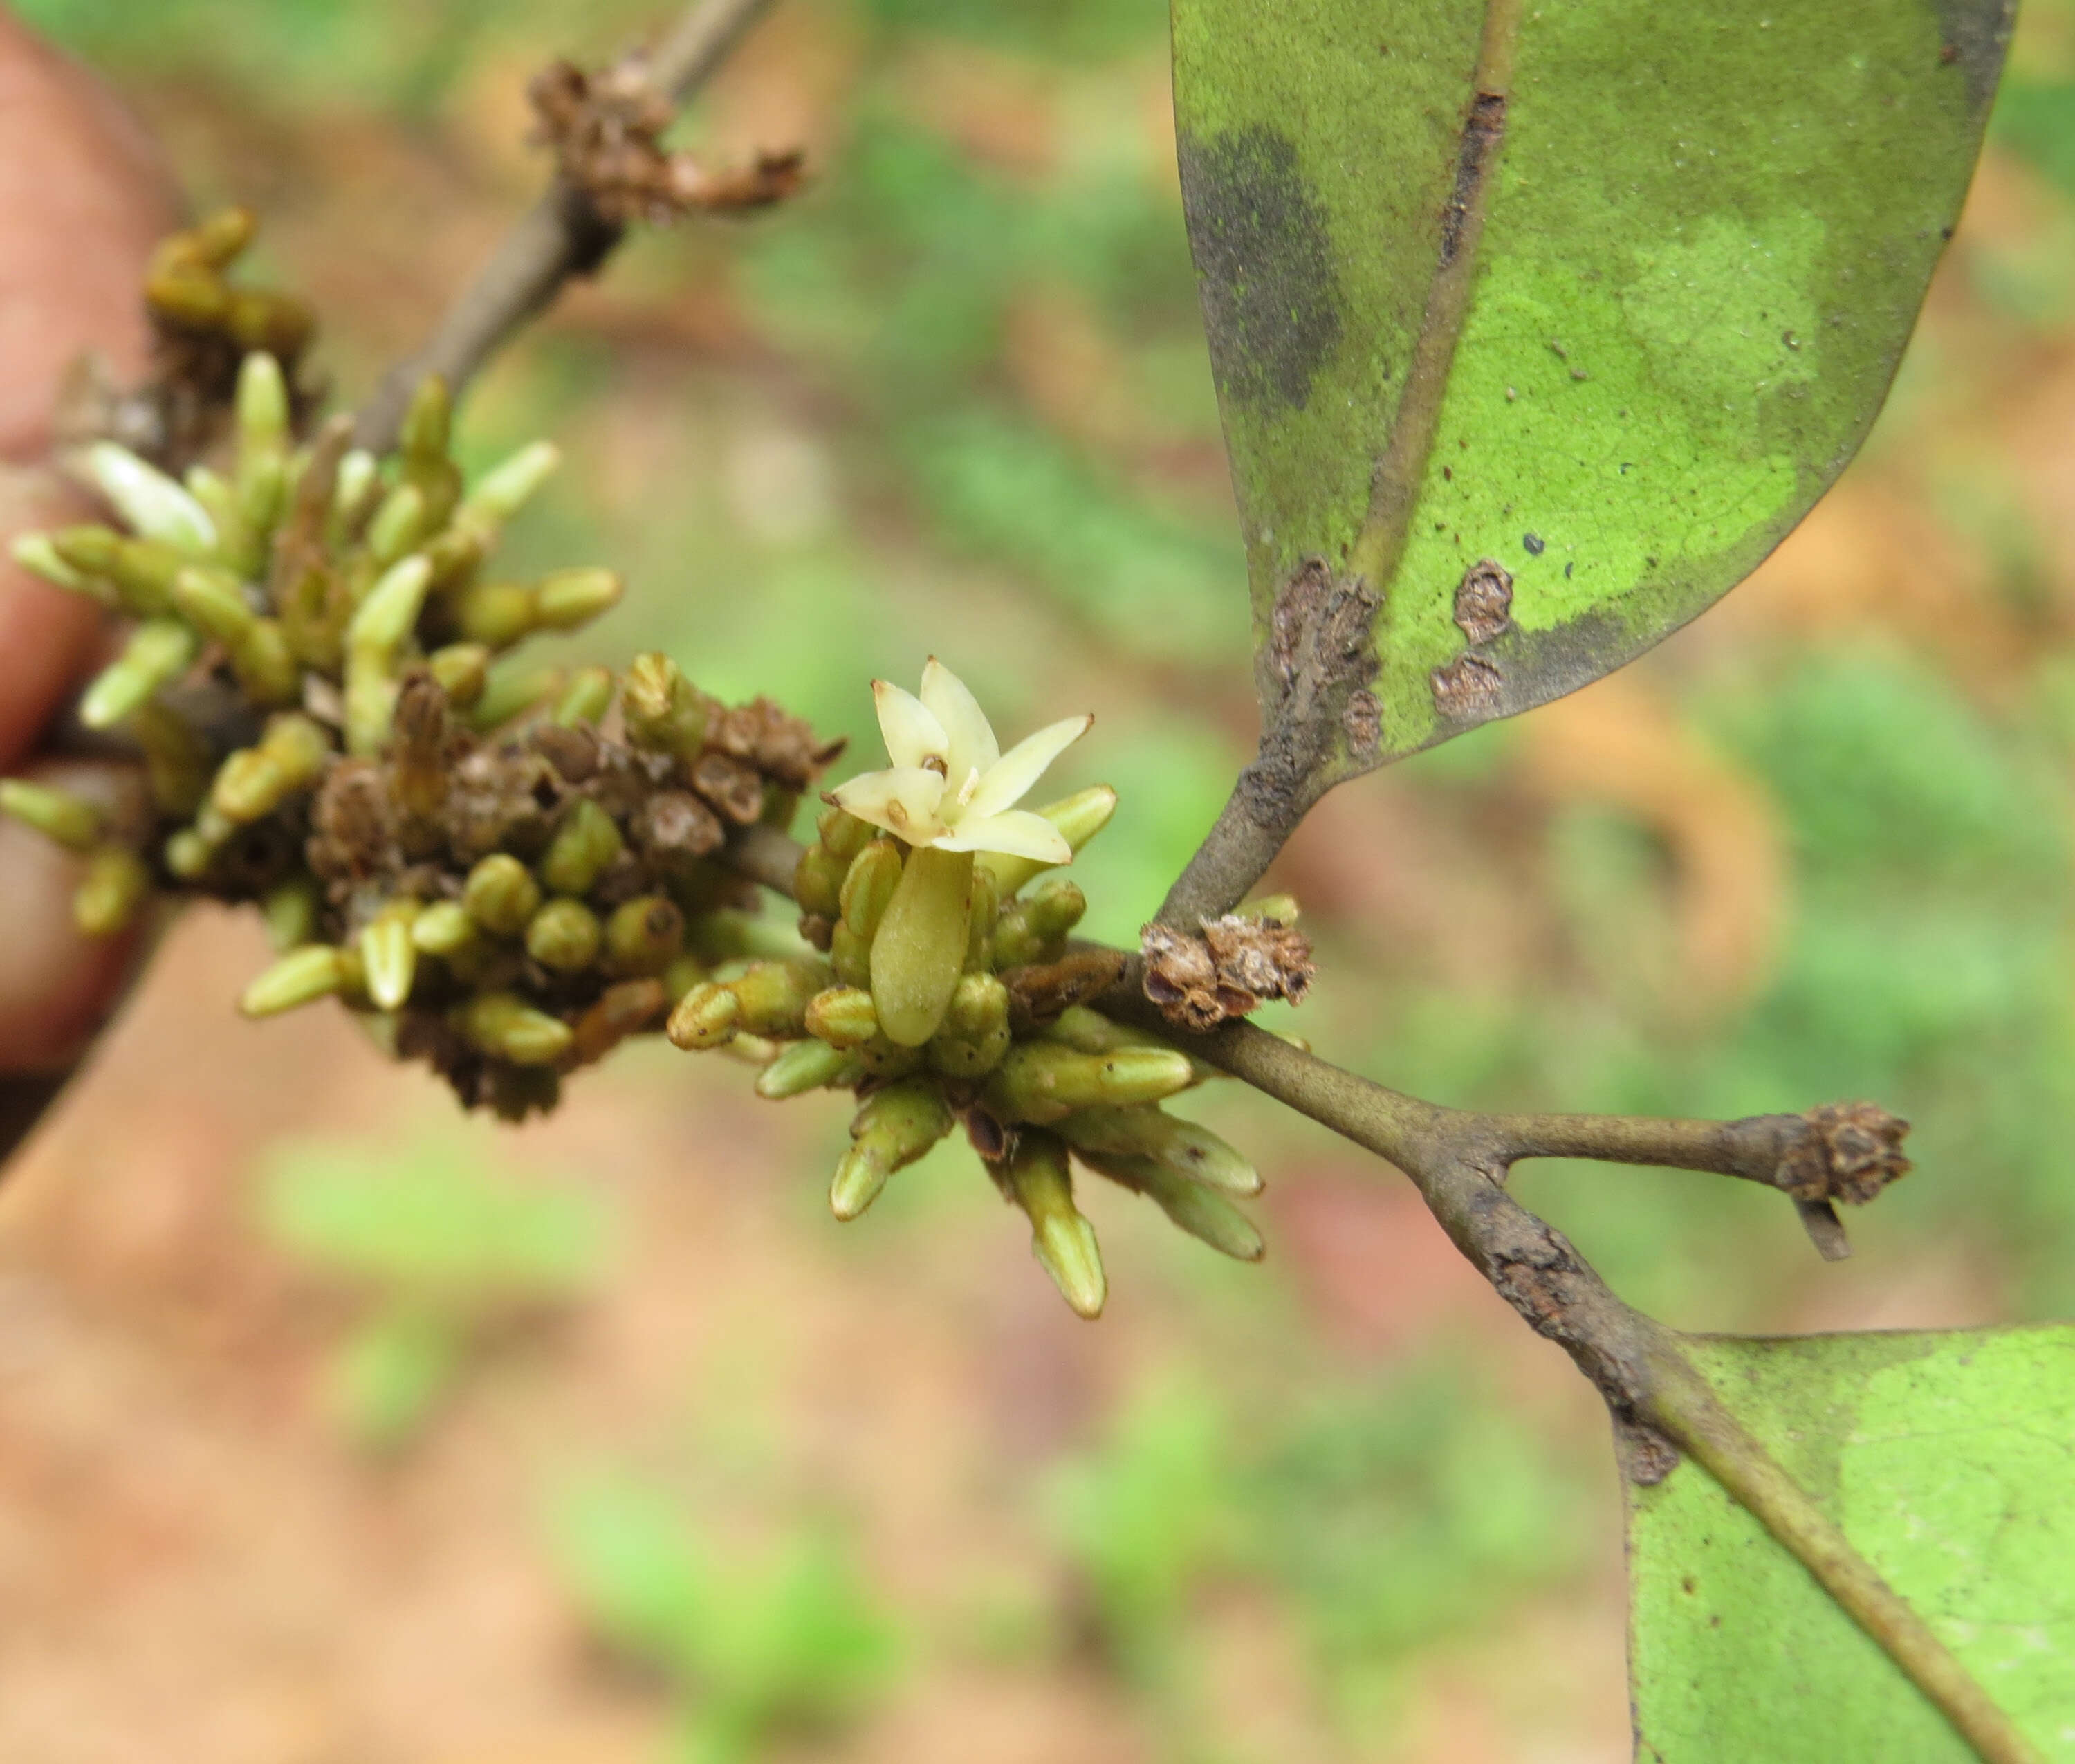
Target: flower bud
x,y
149,502
502,490
842,832
301,976
495,614
895,1126
567,598
1207,1216
290,911
807,1065
849,956
503,1025
510,690
400,523
867,887
842,1016
254,781
501,894
141,571
564,936
388,956
1060,1238
587,840
1080,816
1033,930
111,893
919,948
704,1018
643,935
159,651
818,881
1043,1081
1183,1147
585,698
665,711
462,670
974,1034
444,928
377,628
36,553
775,995
71,821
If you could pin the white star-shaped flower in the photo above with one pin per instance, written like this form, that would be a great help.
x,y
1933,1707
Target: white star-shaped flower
x,y
950,786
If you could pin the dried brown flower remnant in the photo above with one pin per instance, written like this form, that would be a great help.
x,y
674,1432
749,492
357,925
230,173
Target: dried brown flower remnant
x,y
1238,962
605,130
1484,601
1852,1152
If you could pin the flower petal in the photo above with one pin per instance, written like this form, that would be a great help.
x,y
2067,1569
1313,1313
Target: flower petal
x,y
1005,782
1016,834
913,733
973,747
903,800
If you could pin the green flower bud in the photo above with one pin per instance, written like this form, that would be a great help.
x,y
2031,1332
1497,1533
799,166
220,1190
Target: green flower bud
x,y
214,601
176,761
643,935
665,711
842,1016
818,881
400,523
704,1018
1181,1146
868,886
159,651
1205,1216
1044,1081
1080,816
503,1025
568,598
1033,930
587,840
502,490
356,487
238,546
807,1065
975,1035
422,442
263,410
882,1059
501,894
290,911
388,956
979,922
315,971
850,955
38,553
149,502
586,698
111,893
1277,908
511,690
895,1126
254,781
1060,1238
444,928
498,614
919,949
377,629
843,832
71,821
775,995
564,936
140,571
462,670
188,855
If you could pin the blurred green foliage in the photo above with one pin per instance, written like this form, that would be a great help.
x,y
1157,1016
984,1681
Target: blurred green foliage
x,y
440,1244
755,1647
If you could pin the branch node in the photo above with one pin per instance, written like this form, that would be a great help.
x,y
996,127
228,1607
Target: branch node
x,y
1238,960
1846,1151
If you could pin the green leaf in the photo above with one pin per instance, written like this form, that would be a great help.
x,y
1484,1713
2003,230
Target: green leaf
x,y
1949,1460
1615,328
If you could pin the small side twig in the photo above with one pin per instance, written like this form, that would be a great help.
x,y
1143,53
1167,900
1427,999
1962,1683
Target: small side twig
x,y
562,235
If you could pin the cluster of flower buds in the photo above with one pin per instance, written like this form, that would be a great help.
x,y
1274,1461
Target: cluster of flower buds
x,y
505,867
947,993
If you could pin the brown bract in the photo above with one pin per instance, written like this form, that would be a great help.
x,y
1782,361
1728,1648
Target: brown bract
x,y
605,130
1199,982
1852,1152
